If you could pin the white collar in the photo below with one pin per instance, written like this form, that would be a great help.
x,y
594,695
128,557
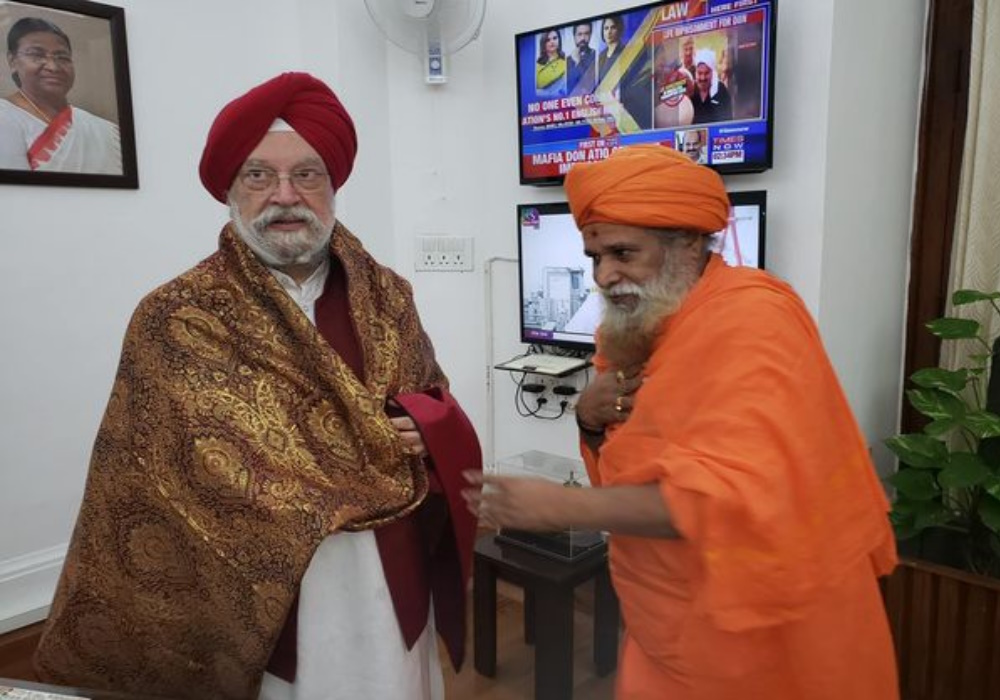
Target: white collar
x,y
305,294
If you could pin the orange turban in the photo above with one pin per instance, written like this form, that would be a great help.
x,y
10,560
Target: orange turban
x,y
650,186
306,103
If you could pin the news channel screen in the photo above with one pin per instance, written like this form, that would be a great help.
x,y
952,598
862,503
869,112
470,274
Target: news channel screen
x,y
696,76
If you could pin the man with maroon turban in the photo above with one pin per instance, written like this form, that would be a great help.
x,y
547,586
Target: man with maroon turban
x,y
274,495
747,524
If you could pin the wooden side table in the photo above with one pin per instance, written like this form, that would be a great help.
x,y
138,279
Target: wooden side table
x,y
548,612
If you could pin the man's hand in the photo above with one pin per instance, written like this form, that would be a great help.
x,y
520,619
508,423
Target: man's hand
x,y
609,398
520,503
412,440
546,506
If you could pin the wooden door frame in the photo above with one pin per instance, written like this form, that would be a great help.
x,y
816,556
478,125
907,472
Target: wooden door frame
x,y
941,141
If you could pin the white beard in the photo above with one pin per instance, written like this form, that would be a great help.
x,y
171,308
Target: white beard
x,y
627,335
303,246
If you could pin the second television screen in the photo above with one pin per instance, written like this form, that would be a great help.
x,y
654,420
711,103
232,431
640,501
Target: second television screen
x,y
560,304
693,75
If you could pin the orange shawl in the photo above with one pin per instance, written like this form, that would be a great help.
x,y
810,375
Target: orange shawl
x,y
235,440
767,477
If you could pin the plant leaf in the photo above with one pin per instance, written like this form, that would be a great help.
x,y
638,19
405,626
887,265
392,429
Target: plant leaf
x,y
903,525
952,381
992,487
983,424
950,328
911,517
964,469
939,428
903,506
936,404
989,513
916,484
968,296
919,450
930,514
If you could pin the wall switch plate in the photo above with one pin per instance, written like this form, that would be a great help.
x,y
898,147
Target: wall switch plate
x,y
444,254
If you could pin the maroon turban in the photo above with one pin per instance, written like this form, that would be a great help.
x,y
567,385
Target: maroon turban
x,y
650,186
306,103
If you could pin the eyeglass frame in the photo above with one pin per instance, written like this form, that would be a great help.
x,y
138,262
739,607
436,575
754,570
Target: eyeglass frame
x,y
60,58
275,178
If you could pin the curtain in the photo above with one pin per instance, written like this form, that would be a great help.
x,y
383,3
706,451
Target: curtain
x,y
975,260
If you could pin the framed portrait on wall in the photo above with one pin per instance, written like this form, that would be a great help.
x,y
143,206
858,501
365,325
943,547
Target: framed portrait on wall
x,y
65,97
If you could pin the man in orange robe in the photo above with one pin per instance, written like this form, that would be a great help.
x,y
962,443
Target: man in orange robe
x,y
748,527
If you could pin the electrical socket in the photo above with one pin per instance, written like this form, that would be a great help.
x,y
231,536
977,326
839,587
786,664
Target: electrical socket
x,y
556,399
444,254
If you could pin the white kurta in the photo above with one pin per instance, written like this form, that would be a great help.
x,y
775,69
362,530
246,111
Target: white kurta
x,y
91,145
349,643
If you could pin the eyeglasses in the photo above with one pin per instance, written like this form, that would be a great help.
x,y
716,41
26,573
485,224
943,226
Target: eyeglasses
x,y
60,58
266,180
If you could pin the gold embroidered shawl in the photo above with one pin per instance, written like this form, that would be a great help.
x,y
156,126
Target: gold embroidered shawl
x,y
235,440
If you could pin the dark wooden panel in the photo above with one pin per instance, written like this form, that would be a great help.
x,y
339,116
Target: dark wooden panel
x,y
992,653
946,628
941,140
947,640
895,594
980,605
919,644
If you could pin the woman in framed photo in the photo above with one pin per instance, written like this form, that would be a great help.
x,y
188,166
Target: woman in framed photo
x,y
39,129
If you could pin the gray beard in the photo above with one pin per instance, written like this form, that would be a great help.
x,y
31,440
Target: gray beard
x,y
307,245
627,336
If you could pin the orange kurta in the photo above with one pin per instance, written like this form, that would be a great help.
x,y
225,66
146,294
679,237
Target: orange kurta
x,y
771,591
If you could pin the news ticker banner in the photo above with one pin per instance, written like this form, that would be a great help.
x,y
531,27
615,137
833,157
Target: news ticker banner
x,y
730,144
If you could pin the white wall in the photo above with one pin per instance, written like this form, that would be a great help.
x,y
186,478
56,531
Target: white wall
x,y
432,160
873,109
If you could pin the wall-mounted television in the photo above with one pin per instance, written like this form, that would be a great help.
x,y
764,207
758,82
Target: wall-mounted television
x,y
695,75
560,305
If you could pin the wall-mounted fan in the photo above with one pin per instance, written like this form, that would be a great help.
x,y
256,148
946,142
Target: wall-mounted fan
x,y
432,29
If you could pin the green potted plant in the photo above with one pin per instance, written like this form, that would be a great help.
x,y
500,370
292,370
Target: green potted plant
x,y
949,475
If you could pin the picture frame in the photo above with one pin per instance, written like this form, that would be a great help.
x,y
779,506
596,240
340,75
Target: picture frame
x,y
66,108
